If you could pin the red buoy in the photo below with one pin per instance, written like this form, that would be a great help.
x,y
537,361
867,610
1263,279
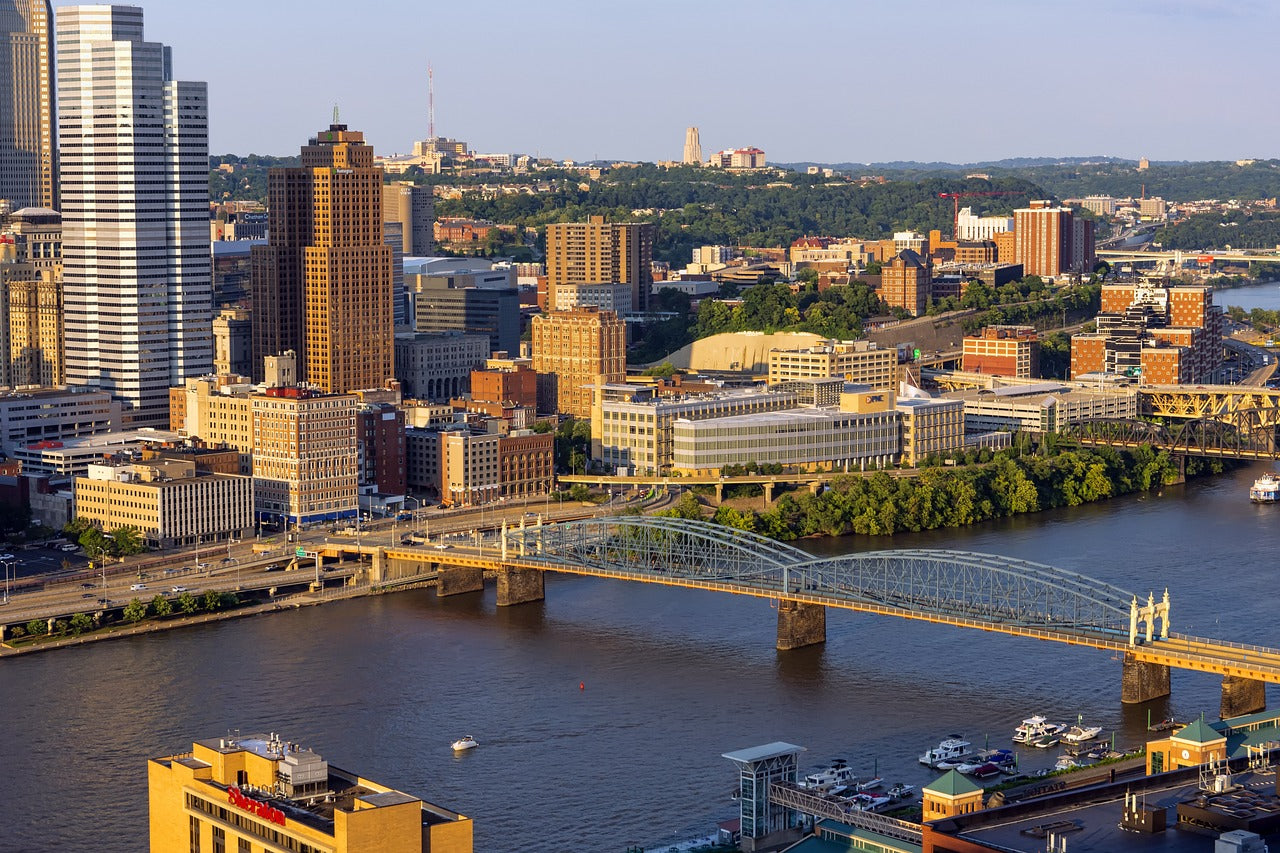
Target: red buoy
x,y
582,685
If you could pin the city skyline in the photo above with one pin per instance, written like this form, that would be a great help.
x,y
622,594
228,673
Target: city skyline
x,y
1147,79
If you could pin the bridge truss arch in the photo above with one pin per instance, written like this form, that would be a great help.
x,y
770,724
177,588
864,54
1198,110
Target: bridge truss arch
x,y
957,587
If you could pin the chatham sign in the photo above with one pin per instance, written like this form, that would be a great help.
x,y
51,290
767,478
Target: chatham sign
x,y
266,811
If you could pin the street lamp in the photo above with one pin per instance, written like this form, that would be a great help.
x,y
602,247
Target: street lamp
x,y
8,567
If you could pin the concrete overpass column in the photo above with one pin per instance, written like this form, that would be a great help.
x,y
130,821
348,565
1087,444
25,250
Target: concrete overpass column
x,y
815,486
768,494
801,625
4,633
378,568
48,629
455,580
520,586
1141,681
719,493
1242,696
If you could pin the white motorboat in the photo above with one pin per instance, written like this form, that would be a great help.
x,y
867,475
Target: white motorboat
x,y
1066,762
1033,728
870,784
901,791
1079,733
950,749
1265,489
839,773
462,743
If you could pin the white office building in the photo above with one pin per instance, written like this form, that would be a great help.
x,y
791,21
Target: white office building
x,y
971,227
134,150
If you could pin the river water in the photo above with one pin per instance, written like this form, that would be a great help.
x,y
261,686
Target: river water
x,y
1266,296
672,679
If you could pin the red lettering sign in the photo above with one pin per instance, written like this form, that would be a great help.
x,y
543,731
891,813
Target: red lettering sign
x,y
263,810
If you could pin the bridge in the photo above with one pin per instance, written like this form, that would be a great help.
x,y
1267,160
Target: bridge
x,y
1178,257
968,590
1200,437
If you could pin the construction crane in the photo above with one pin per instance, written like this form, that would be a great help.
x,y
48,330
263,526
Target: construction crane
x,y
955,205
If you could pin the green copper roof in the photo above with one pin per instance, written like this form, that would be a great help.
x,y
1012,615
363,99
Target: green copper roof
x,y
952,785
1198,731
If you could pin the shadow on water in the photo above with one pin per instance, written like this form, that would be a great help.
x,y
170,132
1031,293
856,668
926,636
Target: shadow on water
x,y
527,618
804,668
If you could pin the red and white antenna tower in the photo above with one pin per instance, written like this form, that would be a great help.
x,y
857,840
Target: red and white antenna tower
x,y
431,103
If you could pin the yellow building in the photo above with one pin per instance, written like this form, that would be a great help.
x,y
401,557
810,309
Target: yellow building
x,y
854,361
949,796
599,251
573,351
259,794
930,426
1192,745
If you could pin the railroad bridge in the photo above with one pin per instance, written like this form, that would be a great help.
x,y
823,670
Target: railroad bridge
x,y
969,590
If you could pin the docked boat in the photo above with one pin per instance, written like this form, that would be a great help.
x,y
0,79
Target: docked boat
x,y
986,771
1034,728
870,784
901,791
463,743
1265,489
951,749
1066,762
1045,741
869,802
838,774
1079,733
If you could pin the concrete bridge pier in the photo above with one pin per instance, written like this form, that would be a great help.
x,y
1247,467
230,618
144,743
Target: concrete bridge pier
x,y
1242,696
1141,681
801,625
520,586
456,580
768,493
719,493
378,568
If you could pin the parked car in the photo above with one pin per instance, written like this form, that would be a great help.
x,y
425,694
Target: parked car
x,y
68,548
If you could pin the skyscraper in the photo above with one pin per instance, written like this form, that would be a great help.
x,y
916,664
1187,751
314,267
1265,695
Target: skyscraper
x,y
692,148
323,286
28,161
134,151
598,252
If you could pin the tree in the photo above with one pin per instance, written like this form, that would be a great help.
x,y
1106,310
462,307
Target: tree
x,y
125,541
37,627
187,603
212,601
80,623
135,611
160,606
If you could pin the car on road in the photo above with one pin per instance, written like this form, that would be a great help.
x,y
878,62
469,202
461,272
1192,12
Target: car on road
x,y
105,601
441,547
275,567
179,589
7,557
86,586
170,571
137,586
202,565
68,548
88,595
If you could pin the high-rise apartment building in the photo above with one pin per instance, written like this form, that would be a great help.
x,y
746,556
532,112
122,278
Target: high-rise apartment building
x,y
596,252
134,155
28,149
692,148
574,351
1049,241
323,286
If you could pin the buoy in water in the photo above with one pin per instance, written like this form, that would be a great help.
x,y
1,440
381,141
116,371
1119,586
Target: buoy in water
x,y
582,685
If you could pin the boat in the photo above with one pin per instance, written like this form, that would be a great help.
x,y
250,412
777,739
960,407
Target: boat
x,y
839,773
1045,741
462,743
986,771
1066,762
901,791
869,802
949,750
998,758
870,784
1079,733
1265,489
1034,728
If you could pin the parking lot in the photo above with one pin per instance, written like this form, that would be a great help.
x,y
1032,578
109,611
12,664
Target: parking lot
x,y
43,561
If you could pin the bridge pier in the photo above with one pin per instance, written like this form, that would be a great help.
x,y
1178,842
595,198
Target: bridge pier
x,y
1141,681
378,567
768,493
719,493
1242,696
456,580
801,625
520,586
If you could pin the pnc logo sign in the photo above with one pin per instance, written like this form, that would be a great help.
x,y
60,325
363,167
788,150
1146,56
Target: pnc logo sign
x,y
263,810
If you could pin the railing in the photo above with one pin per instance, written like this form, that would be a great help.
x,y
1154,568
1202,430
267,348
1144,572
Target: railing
x,y
793,797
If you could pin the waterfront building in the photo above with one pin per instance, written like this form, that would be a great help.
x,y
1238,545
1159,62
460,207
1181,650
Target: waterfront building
x,y
1043,407
1164,335
526,463
949,796
574,351
35,415
469,469
862,362
422,459
28,148
233,342
809,439
930,427
905,282
261,793
134,154
692,148
304,456
599,251
438,366
380,455
323,286
637,428
1003,351
170,502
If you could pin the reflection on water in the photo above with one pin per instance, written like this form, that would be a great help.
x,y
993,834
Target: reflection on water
x,y
670,679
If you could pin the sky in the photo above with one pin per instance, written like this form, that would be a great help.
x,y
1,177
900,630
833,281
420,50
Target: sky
x,y
806,80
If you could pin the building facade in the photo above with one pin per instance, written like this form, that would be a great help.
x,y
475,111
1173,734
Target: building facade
x,y
692,148
611,296
304,456
573,351
55,415
380,449
930,426
862,362
28,148
170,503
134,157
233,342
455,303
215,797
323,286
905,282
1050,242
438,366
598,251
1003,351
1043,407
31,300
414,208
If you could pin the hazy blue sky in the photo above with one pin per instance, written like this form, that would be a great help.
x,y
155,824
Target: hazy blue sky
x,y
821,80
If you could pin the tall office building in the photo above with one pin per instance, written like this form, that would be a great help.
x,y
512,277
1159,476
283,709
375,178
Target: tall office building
x,y
323,286
692,148
599,252
134,152
28,159
574,351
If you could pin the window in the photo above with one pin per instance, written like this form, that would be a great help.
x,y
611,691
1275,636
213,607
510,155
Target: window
x,y
219,840
194,824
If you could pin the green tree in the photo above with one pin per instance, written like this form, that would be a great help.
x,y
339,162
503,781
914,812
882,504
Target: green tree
x,y
187,603
80,623
135,611
212,601
160,606
37,627
125,541
687,506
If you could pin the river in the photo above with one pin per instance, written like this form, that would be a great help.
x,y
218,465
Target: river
x,y
1265,296
672,679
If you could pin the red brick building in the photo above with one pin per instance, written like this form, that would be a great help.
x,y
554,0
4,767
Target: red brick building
x,y
1003,351
380,448
525,464
905,282
517,384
